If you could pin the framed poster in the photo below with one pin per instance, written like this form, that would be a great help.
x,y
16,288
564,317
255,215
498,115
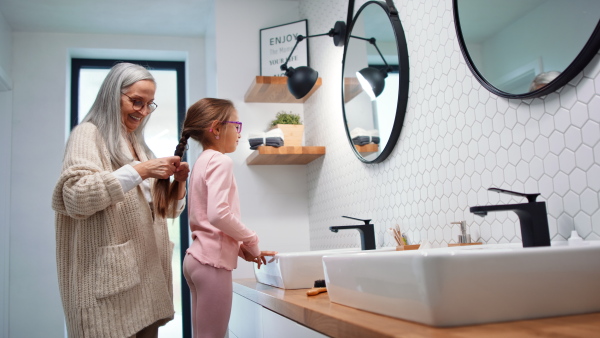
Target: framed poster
x,y
277,42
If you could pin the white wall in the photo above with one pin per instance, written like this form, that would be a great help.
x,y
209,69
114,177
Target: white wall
x,y
5,145
41,84
211,55
274,199
458,140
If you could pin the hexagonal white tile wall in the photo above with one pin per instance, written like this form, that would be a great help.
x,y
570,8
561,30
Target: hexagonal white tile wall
x,y
458,140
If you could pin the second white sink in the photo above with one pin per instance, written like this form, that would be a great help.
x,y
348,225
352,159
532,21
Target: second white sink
x,y
295,270
299,270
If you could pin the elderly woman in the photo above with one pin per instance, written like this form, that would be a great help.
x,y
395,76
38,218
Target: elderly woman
x,y
542,79
113,250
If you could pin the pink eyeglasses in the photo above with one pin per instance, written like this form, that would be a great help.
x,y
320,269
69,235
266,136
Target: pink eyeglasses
x,y
238,125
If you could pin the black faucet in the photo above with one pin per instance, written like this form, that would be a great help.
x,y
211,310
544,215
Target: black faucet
x,y
532,216
367,232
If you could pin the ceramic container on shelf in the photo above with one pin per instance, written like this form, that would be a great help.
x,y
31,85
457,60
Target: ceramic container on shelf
x,y
292,134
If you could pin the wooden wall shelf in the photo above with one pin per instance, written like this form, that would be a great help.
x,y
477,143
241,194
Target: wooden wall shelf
x,y
273,89
266,155
367,149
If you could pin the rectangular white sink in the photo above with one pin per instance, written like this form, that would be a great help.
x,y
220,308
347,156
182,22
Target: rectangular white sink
x,y
298,270
470,284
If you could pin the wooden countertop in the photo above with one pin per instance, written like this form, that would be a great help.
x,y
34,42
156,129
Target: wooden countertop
x,y
319,314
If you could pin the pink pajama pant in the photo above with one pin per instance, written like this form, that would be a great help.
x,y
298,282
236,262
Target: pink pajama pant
x,y
212,292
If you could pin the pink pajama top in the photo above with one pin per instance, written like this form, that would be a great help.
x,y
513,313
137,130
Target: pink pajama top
x,y
214,210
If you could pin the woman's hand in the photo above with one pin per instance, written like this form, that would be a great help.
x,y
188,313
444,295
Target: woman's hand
x,y
160,168
181,173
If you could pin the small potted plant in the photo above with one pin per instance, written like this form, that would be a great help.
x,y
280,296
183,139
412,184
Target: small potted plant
x,y
291,126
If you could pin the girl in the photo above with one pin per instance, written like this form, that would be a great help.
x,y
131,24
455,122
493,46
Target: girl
x,y
219,236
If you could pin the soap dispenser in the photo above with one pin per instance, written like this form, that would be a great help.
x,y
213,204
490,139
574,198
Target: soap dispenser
x,y
463,238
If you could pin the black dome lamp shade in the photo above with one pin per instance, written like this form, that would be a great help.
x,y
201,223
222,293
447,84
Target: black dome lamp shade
x,y
371,79
302,79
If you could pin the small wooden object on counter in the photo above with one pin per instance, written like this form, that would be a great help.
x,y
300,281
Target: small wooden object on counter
x,y
264,155
315,291
464,244
274,89
407,247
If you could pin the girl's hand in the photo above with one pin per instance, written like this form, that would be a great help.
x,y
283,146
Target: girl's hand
x,y
182,172
260,260
264,254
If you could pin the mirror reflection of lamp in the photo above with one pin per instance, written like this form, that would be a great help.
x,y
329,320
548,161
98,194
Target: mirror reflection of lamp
x,y
302,79
372,80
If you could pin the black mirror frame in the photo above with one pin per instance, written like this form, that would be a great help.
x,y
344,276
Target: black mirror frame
x,y
403,69
587,53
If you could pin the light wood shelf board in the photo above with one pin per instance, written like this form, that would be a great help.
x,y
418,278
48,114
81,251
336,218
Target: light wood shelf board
x,y
273,89
367,149
287,155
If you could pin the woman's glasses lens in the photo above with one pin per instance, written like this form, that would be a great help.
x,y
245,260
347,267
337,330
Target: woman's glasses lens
x,y
139,105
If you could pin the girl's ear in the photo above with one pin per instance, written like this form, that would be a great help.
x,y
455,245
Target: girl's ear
x,y
215,128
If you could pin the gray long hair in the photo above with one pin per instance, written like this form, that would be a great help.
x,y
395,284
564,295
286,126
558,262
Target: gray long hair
x,y
543,79
106,110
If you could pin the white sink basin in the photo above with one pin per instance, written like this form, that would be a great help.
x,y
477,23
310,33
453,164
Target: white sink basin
x,y
471,284
298,270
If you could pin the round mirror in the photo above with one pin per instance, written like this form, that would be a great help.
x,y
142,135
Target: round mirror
x,y
527,48
374,81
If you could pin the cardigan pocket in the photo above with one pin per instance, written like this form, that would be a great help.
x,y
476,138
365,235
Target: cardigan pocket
x,y
116,270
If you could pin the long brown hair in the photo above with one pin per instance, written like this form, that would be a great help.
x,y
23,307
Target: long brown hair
x,y
198,120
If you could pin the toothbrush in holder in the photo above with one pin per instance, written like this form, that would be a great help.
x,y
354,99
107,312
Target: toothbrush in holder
x,y
402,240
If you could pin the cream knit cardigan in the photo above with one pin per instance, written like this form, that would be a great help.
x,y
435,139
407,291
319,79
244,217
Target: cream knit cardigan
x,y
114,259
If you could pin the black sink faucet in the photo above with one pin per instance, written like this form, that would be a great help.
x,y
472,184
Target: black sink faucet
x,y
367,232
532,216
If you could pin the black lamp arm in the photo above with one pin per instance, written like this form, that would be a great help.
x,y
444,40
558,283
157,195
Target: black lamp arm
x,y
298,39
373,42
338,33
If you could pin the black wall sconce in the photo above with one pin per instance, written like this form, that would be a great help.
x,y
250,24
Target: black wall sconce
x,y
302,79
372,80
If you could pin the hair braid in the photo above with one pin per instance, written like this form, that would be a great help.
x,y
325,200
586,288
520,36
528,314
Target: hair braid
x,y
165,192
182,146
